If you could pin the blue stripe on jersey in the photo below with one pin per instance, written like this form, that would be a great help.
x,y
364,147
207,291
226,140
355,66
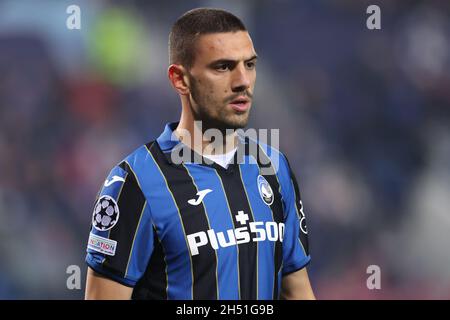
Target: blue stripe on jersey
x,y
262,213
169,228
275,157
220,219
294,255
142,241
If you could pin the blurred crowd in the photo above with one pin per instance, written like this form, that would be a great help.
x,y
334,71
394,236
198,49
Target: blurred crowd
x,y
364,118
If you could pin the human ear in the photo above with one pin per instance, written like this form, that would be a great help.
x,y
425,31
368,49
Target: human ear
x,y
178,78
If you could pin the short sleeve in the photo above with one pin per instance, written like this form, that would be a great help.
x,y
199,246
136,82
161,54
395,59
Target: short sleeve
x,y
120,241
295,243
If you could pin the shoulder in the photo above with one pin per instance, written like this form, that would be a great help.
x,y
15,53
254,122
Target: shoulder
x,y
137,160
128,171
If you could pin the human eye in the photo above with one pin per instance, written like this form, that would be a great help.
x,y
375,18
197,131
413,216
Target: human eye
x,y
222,67
251,64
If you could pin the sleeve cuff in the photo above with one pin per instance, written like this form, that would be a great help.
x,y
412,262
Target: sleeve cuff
x,y
290,268
97,267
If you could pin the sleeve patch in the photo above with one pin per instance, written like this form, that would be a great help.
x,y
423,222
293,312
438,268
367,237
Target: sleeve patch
x,y
106,213
102,245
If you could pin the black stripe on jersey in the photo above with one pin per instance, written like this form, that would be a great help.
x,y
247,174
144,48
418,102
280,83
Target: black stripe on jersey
x,y
194,220
248,259
131,204
303,236
153,285
276,207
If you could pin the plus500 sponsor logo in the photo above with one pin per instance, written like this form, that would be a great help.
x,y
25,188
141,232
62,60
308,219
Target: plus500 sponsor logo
x,y
256,231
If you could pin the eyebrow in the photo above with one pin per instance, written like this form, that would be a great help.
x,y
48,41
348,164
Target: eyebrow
x,y
220,61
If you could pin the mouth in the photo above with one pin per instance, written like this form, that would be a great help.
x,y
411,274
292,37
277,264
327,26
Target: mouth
x,y
240,104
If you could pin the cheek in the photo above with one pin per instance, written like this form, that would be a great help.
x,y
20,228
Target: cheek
x,y
253,78
217,83
215,92
213,89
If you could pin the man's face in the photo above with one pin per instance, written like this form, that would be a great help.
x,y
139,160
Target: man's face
x,y
222,79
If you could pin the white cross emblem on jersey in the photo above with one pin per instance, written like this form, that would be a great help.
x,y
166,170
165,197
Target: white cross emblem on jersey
x,y
242,217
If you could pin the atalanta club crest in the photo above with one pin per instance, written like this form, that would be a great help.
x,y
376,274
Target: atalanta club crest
x,y
265,191
106,213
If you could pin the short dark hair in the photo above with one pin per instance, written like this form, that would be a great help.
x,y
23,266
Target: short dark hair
x,y
194,23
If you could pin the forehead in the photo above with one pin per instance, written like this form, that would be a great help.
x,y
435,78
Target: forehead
x,y
227,45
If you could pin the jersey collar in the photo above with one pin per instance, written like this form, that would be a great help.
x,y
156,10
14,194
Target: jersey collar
x,y
168,141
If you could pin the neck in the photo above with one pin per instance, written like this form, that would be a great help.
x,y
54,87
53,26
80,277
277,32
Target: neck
x,y
191,133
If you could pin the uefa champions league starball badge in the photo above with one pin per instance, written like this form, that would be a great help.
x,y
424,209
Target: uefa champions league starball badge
x,y
106,213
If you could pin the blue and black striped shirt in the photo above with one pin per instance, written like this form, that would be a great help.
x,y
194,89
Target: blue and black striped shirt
x,y
194,230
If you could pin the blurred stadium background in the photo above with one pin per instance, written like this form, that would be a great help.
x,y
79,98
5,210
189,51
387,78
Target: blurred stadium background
x,y
364,118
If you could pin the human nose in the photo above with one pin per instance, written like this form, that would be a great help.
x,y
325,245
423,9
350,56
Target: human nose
x,y
241,79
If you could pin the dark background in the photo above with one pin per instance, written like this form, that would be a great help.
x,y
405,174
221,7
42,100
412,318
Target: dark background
x,y
363,117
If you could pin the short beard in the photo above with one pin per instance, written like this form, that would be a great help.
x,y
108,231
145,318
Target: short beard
x,y
202,114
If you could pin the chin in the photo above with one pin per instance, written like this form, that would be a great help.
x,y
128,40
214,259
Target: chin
x,y
240,124
234,121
